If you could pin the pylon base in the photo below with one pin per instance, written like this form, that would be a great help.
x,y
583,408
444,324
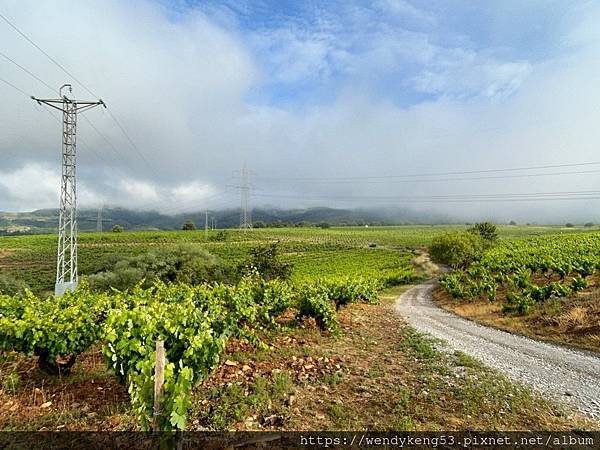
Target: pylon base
x,y
61,288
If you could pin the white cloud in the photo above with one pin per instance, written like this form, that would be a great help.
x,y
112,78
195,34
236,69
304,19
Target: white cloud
x,y
30,187
405,8
180,85
140,192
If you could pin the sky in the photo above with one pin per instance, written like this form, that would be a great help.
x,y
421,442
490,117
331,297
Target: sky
x,y
329,103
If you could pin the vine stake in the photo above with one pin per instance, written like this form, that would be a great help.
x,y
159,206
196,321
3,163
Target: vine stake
x,y
159,379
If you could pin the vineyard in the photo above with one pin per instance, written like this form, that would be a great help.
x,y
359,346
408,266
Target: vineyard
x,y
195,322
531,271
313,251
332,271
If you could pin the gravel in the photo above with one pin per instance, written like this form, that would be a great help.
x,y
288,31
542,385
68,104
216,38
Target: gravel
x,y
565,374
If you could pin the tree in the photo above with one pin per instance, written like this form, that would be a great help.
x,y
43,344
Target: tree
x,y
117,228
458,250
324,225
487,231
588,225
176,265
569,225
188,225
512,222
259,224
265,259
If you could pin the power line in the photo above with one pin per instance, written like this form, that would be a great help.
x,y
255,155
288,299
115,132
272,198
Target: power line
x,y
27,72
545,196
430,180
102,136
429,174
454,196
14,87
60,66
133,145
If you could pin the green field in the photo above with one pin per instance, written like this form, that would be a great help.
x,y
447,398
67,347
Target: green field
x,y
202,325
314,252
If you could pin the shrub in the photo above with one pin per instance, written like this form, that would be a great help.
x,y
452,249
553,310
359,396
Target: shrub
x,y
117,228
180,264
221,236
457,250
487,231
266,261
11,286
579,284
515,303
452,283
314,302
188,225
346,290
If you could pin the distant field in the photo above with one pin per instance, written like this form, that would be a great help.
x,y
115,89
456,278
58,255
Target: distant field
x,y
315,252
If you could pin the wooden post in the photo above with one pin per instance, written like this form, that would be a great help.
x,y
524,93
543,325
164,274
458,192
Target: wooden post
x,y
159,380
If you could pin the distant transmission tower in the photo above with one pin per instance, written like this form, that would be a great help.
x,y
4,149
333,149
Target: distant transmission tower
x,y
99,220
245,212
206,224
66,270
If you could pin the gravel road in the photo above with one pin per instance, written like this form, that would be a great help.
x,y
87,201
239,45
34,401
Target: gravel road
x,y
569,375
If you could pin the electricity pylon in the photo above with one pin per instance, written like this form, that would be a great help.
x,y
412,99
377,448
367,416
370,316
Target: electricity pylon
x,y
245,212
99,220
66,268
206,224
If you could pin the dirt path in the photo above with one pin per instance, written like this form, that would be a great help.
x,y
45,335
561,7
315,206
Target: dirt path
x,y
565,374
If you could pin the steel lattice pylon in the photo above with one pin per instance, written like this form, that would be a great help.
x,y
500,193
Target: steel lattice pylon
x,y
66,269
245,212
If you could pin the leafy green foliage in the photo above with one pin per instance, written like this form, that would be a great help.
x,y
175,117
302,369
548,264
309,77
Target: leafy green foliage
x,y
11,286
267,262
457,250
522,267
315,253
314,302
188,225
52,328
487,231
180,264
346,290
195,323
579,284
194,336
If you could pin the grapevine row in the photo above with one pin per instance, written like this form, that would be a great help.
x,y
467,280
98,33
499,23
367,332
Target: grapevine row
x,y
195,323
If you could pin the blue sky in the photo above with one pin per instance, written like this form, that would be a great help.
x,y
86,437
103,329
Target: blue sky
x,y
407,52
306,89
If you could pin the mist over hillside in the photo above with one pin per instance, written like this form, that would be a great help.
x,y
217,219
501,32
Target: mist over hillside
x,y
46,220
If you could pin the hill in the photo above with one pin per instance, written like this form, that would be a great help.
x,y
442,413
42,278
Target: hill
x,y
46,220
